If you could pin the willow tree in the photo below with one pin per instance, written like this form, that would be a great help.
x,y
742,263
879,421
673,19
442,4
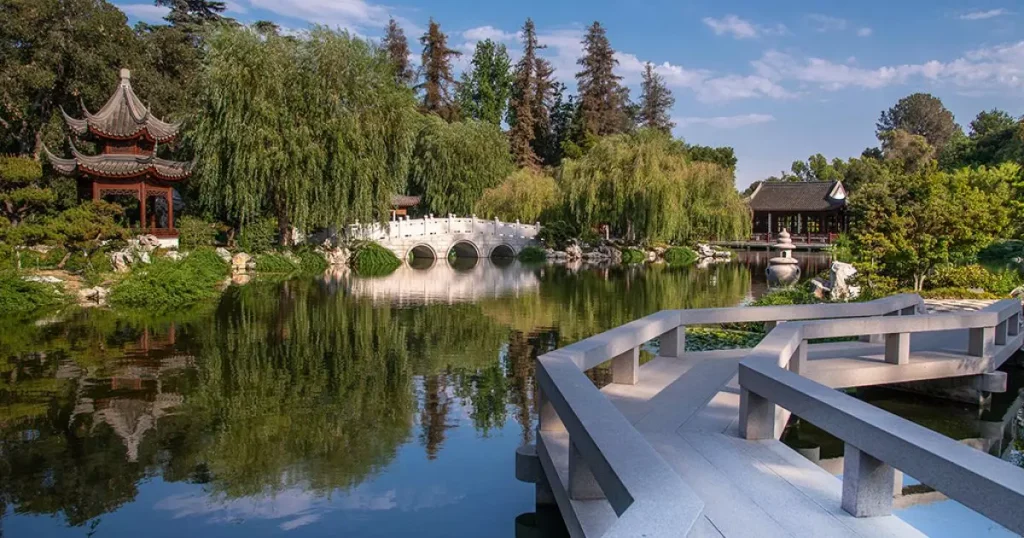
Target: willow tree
x,y
313,130
525,195
452,163
643,185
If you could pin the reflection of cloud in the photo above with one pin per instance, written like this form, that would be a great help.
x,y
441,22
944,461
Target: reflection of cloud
x,y
298,507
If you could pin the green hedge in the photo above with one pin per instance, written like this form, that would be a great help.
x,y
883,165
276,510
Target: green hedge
x,y
786,296
258,237
167,284
371,259
311,262
273,262
955,293
194,232
532,254
632,255
680,256
974,276
19,296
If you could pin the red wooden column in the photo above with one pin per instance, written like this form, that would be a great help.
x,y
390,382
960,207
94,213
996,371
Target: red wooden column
x,y
170,208
142,206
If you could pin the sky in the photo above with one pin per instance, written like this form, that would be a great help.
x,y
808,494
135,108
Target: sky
x,y
778,81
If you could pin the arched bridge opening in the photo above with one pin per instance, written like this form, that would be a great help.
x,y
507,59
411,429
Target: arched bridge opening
x,y
504,252
464,249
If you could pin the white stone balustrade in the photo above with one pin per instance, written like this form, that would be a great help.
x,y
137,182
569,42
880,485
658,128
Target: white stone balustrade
x,y
438,235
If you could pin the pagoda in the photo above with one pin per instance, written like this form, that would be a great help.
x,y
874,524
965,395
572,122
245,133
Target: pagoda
x,y
127,136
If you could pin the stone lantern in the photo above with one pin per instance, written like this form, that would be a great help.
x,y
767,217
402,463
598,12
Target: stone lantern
x,y
783,270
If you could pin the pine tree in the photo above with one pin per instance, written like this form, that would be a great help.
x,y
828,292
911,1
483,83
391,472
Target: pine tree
x,y
603,99
560,114
193,12
655,102
483,93
531,95
397,47
437,73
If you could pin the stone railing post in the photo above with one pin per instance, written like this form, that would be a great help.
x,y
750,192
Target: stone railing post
x,y
897,348
582,484
980,341
398,227
867,484
673,343
449,223
547,418
626,367
496,225
798,361
757,416
1013,325
1001,330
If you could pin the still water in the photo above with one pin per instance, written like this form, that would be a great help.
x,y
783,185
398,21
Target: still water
x,y
334,406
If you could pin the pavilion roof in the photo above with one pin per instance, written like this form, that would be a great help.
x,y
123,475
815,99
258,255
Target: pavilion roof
x,y
404,200
119,165
785,196
124,116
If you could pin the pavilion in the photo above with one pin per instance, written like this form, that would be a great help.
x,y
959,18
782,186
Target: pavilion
x,y
127,136
814,212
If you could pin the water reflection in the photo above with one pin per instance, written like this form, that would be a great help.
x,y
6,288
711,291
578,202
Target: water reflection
x,y
367,405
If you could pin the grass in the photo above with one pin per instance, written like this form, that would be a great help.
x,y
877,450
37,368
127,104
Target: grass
x,y
19,296
632,255
371,259
275,263
167,284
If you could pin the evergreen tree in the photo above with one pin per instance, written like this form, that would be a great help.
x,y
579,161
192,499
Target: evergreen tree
x,y
521,119
543,100
437,72
561,113
193,12
483,94
655,102
397,47
919,114
603,99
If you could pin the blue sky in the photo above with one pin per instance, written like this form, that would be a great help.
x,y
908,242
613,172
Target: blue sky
x,y
777,80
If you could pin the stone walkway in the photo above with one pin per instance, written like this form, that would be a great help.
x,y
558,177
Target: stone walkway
x,y
940,306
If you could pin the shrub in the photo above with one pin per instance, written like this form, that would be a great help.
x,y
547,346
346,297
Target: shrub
x,y
194,232
680,256
18,296
1002,251
974,276
632,255
955,293
311,262
558,234
167,283
273,262
258,237
532,254
787,296
371,259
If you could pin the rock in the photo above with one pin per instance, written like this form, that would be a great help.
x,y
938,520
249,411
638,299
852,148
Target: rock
x,y
93,296
705,251
45,279
840,289
121,260
337,257
223,254
574,252
144,257
147,243
240,279
174,255
240,262
820,288
1017,292
652,256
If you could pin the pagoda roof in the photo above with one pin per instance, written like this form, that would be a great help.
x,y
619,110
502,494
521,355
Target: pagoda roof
x,y
123,117
119,166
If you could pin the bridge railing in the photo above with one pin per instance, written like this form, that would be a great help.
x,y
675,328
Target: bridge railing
x,y
609,459
877,442
404,227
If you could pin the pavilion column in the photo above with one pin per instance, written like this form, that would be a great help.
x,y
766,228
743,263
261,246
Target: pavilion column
x,y
170,208
142,206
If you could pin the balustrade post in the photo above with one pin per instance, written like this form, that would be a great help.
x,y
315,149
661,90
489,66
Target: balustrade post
x,y
798,361
673,343
626,367
547,418
582,484
868,484
897,348
980,341
878,338
1000,335
1013,325
770,325
757,416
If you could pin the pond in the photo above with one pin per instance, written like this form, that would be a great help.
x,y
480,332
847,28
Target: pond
x,y
311,407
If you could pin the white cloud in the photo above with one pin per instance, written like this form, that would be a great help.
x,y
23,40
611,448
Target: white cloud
x,y
234,7
865,32
741,28
145,12
982,15
350,14
725,122
825,23
481,33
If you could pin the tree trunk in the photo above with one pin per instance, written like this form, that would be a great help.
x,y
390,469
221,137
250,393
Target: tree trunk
x,y
64,260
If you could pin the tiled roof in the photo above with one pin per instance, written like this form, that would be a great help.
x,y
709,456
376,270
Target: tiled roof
x,y
119,165
403,200
123,117
796,196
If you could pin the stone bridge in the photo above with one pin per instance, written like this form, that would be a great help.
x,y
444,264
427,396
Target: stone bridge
x,y
432,237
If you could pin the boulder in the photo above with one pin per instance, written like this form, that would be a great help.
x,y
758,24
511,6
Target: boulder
x,y
337,257
93,296
122,260
840,288
45,279
148,242
705,251
240,262
652,256
820,288
574,252
174,255
223,254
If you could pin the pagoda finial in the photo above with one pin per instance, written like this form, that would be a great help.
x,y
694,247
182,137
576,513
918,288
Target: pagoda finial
x,y
126,74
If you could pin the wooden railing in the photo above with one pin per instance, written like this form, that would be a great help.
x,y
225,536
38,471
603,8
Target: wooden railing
x,y
877,442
